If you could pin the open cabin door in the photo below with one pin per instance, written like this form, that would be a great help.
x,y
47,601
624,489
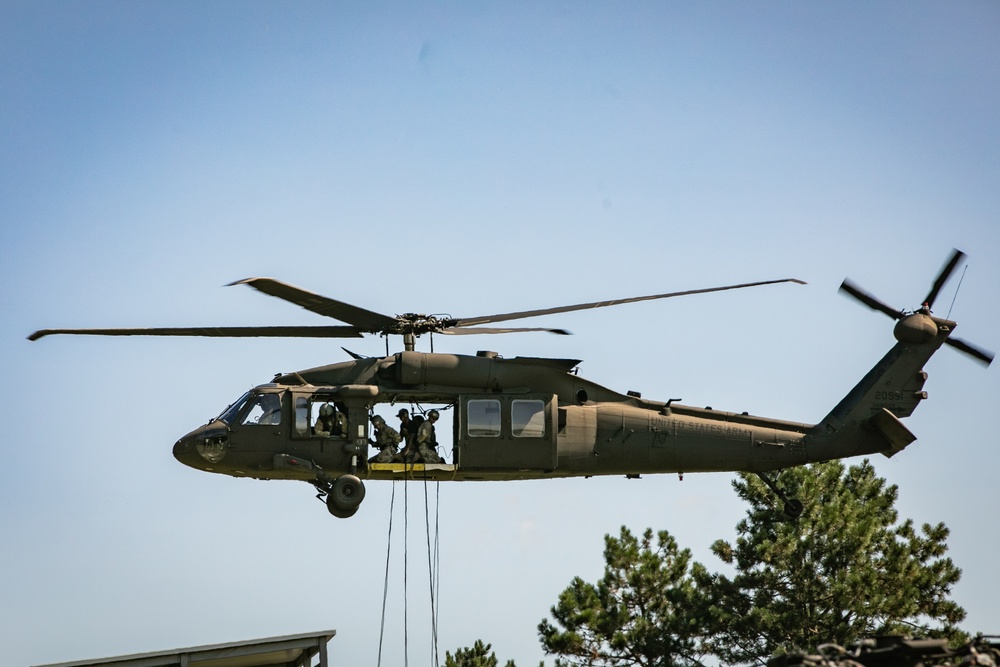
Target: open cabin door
x,y
501,431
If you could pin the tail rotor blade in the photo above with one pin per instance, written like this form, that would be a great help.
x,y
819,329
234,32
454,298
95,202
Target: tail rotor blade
x,y
869,300
983,356
946,271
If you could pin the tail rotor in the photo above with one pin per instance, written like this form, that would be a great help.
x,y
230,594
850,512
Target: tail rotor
x,y
916,326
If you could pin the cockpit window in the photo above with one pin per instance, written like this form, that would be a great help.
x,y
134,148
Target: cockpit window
x,y
264,410
229,414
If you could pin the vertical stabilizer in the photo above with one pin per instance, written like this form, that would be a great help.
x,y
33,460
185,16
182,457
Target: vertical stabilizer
x,y
867,420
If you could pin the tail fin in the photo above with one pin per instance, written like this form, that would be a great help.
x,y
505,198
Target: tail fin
x,y
866,421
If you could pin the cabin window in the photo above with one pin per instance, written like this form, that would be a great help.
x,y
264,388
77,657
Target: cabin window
x,y
264,410
483,418
527,419
302,416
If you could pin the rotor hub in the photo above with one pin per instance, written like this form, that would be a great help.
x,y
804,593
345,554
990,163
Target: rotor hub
x,y
418,324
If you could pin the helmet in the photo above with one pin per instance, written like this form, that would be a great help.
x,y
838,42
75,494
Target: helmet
x,y
377,420
433,414
326,410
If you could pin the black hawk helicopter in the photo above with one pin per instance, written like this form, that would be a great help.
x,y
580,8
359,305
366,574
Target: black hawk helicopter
x,y
529,418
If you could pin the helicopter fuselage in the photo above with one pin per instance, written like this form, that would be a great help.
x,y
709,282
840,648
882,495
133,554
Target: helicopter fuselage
x,y
520,418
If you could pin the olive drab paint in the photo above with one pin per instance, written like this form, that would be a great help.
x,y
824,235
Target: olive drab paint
x,y
528,418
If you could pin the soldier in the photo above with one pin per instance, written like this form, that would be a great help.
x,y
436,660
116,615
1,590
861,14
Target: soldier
x,y
386,440
426,441
331,422
407,432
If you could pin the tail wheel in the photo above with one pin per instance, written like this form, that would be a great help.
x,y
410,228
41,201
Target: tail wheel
x,y
793,508
346,494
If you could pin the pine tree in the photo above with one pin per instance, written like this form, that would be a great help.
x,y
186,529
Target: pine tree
x,y
646,609
847,569
480,655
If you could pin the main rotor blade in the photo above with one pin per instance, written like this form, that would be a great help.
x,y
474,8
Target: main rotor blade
x,y
215,332
869,300
956,257
486,319
468,331
981,355
365,320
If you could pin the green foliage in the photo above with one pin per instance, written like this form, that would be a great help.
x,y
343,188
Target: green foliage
x,y
646,610
480,655
847,569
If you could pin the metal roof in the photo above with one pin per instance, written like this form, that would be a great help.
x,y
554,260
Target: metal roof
x,y
287,651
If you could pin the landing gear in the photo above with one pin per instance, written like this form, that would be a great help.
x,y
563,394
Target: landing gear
x,y
793,506
346,493
339,513
343,495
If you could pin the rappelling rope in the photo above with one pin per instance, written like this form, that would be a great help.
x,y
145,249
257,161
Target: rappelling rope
x,y
437,554
385,584
406,559
433,565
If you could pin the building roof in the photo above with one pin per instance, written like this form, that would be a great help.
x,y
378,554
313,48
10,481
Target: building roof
x,y
287,651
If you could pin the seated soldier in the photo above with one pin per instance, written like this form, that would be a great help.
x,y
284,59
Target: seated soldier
x,y
386,440
331,422
426,440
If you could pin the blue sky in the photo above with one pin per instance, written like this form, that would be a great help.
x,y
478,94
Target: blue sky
x,y
463,158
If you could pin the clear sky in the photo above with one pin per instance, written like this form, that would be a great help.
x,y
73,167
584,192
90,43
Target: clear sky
x,y
468,158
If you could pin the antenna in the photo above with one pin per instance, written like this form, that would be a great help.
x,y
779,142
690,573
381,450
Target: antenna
x,y
948,317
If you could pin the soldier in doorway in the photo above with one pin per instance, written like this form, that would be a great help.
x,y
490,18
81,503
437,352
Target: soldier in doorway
x,y
386,440
426,439
407,432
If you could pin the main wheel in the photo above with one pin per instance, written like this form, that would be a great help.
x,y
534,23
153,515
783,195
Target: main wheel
x,y
339,513
346,493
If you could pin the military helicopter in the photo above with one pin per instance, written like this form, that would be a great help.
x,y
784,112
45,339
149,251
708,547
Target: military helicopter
x,y
530,418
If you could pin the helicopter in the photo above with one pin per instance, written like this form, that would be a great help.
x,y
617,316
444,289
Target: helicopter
x,y
530,418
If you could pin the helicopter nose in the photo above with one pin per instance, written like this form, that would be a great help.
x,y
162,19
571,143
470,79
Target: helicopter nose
x,y
202,447
184,451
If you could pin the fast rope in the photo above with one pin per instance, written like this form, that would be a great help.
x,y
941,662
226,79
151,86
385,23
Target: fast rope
x,y
385,583
433,566
406,561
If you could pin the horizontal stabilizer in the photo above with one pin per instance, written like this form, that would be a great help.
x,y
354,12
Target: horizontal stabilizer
x,y
893,430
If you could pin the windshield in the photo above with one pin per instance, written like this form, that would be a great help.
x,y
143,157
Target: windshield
x,y
263,410
229,414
